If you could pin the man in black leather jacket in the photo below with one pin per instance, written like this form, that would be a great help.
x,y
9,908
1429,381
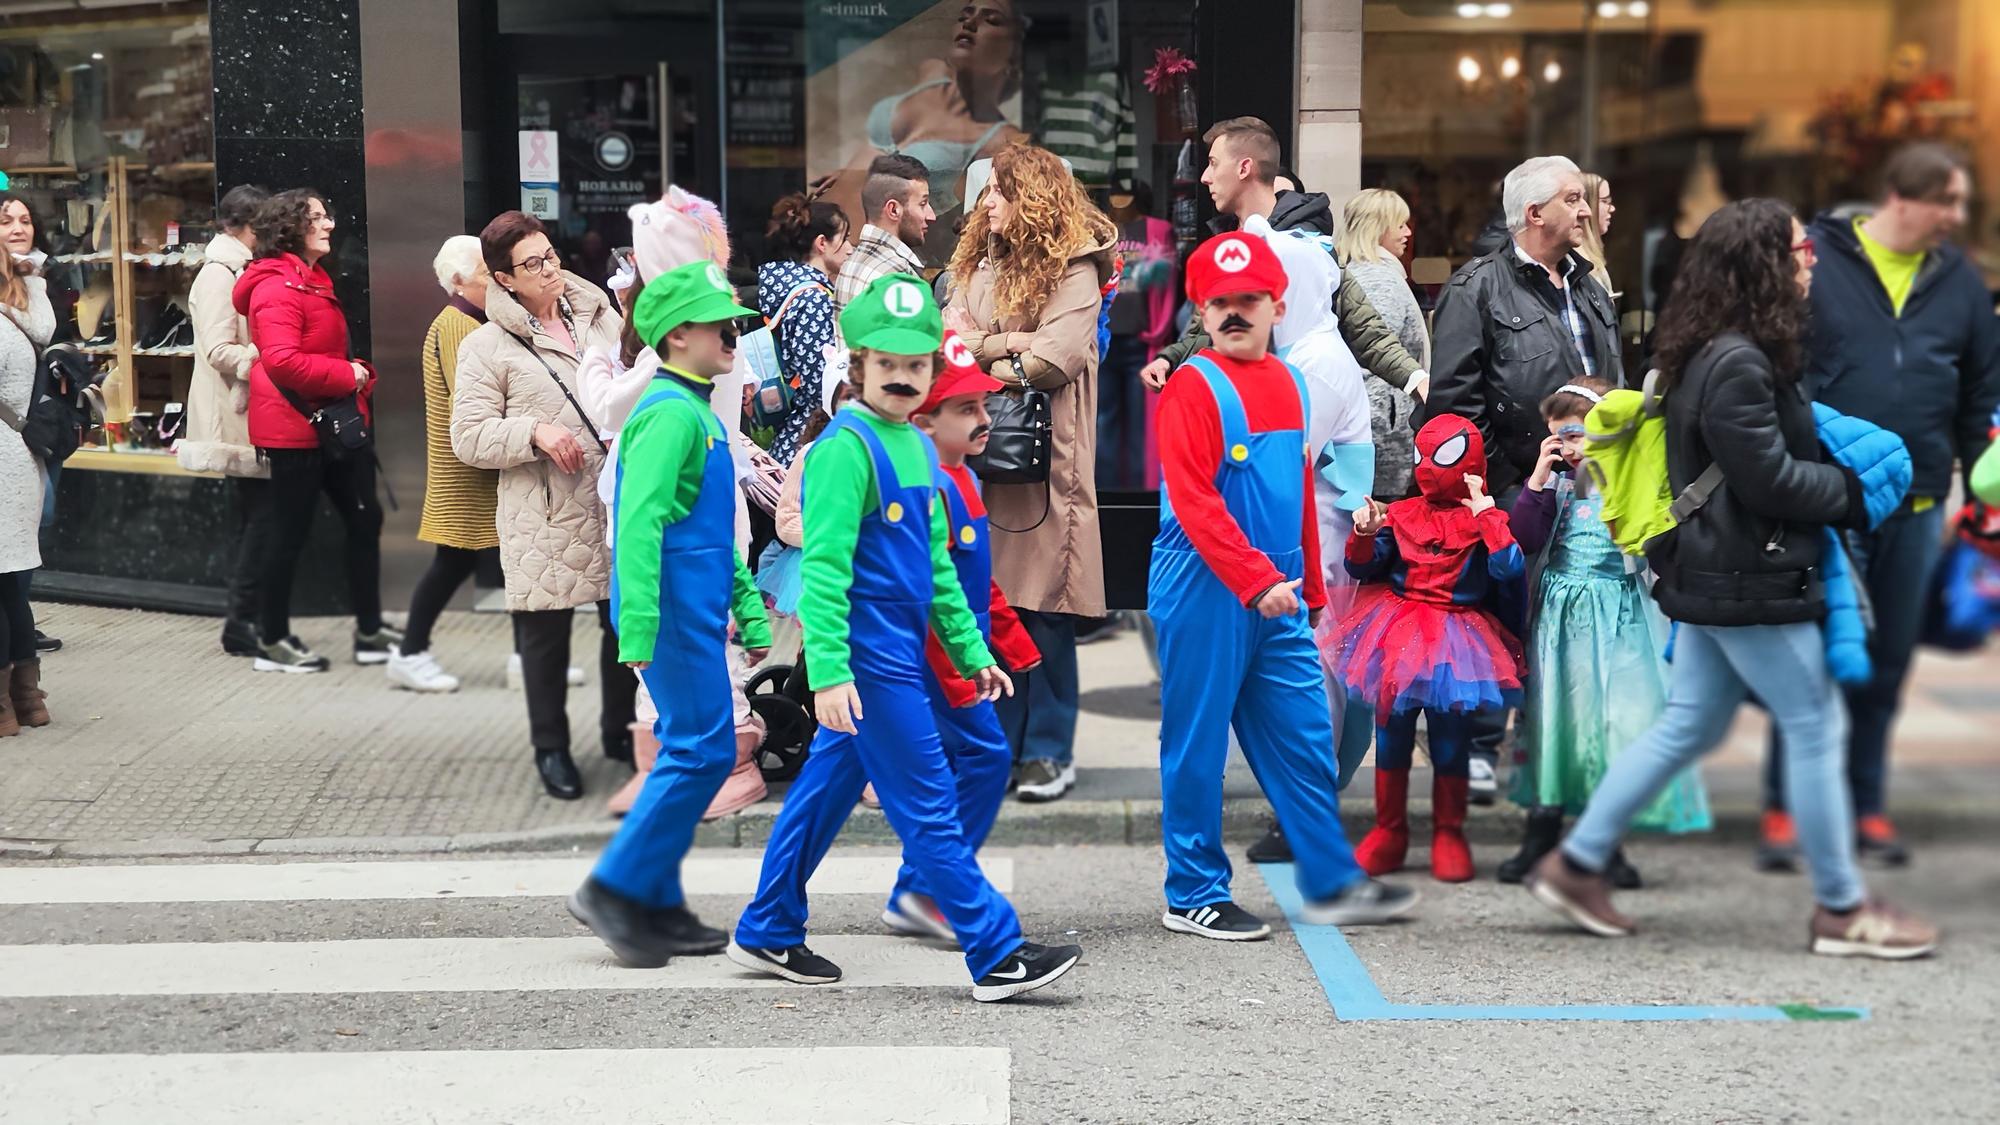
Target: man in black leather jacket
x,y
1513,325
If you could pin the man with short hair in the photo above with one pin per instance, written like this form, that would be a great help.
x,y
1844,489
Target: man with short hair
x,y
896,200
1241,176
1903,335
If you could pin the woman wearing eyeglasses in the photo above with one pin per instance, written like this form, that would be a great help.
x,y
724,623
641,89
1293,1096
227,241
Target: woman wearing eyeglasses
x,y
303,365
514,410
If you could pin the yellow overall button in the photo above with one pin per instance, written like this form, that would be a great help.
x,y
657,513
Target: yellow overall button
x,y
893,513
1240,452
968,536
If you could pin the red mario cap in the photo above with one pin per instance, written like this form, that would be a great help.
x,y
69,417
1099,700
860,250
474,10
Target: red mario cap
x,y
961,375
1234,263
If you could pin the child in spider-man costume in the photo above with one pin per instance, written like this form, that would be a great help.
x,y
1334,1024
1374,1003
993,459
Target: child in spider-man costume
x,y
1424,641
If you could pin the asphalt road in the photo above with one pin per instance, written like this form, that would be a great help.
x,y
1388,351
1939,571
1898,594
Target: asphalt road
x,y
1153,1026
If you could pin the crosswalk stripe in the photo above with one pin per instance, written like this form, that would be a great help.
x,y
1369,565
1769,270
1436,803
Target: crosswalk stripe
x,y
717,1086
422,879
429,965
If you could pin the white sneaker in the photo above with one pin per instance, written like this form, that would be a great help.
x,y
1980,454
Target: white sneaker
x,y
575,675
1483,785
419,672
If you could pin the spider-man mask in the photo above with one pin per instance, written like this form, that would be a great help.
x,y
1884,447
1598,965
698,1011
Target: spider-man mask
x,y
1448,448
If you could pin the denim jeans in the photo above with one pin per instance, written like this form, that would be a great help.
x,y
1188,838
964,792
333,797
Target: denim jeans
x,y
1121,415
1040,717
1895,562
1713,671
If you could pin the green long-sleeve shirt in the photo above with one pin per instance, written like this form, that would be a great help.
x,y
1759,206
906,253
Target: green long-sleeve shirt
x,y
840,490
662,455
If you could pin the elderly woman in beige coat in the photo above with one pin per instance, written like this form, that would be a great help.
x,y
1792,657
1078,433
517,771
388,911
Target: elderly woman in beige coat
x,y
513,410
1028,281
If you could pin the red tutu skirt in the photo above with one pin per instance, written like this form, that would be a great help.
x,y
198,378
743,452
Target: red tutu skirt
x,y
1403,655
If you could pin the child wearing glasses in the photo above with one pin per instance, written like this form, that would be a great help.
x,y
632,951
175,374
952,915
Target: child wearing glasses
x,y
1596,678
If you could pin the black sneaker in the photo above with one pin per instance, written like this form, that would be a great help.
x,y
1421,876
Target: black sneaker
x,y
1026,969
1367,902
46,643
374,648
1273,848
288,655
797,964
629,929
1223,921
1622,874
683,935
239,637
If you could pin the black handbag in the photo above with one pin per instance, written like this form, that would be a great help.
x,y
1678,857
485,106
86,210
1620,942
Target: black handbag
x,y
1022,441
57,412
344,433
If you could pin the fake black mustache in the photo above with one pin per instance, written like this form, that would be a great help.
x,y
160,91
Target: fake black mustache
x,y
979,432
903,390
1235,322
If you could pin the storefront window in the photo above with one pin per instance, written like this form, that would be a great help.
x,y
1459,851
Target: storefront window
x,y
106,137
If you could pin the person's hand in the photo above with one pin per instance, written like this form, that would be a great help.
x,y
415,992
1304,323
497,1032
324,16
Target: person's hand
x,y
638,665
1369,518
1281,600
1477,502
1155,373
361,375
992,683
560,446
1545,463
239,396
754,656
838,708
1419,386
959,320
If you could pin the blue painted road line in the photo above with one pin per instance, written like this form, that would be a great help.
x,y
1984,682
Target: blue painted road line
x,y
1352,991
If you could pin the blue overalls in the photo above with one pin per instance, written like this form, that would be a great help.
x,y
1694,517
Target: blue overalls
x,y
897,746
688,678
972,736
1222,663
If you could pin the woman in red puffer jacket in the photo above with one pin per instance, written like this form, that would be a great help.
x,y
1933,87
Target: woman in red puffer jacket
x,y
302,365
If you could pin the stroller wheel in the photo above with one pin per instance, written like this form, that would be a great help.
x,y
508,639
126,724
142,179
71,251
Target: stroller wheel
x,y
788,731
768,680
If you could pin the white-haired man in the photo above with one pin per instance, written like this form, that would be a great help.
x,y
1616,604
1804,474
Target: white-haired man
x,y
1510,328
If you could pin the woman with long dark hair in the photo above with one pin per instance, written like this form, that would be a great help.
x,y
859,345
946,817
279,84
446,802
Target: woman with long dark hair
x,y
1741,575
795,294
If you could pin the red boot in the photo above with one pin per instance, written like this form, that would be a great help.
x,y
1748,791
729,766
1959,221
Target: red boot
x,y
1451,856
1383,849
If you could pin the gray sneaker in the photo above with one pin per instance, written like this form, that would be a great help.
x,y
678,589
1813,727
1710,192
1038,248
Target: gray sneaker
x,y
377,647
1369,902
288,655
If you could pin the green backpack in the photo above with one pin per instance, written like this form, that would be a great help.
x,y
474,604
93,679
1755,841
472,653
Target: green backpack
x,y
1627,453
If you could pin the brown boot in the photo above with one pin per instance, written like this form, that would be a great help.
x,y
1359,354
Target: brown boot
x,y
9,724
24,689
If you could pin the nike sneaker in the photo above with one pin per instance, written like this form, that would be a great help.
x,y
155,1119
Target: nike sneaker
x,y
797,964
1026,969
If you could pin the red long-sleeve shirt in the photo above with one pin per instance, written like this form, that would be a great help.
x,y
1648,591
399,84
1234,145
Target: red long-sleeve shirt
x,y
1011,642
1190,439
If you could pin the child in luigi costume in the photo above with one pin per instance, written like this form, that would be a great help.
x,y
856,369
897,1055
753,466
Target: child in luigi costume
x,y
677,578
877,577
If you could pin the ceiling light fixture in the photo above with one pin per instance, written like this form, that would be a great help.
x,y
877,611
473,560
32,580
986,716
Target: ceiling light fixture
x,y
1553,72
1468,69
1498,11
1510,67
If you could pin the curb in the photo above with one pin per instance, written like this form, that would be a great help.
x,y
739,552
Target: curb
x,y
1069,822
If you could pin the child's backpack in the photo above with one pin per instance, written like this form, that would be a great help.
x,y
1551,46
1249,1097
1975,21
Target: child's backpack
x,y
1627,458
771,389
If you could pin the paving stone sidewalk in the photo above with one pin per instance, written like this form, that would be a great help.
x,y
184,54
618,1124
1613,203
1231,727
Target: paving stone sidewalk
x,y
162,744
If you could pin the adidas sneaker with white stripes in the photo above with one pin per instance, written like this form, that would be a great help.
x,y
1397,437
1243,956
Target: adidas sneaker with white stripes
x,y
1223,921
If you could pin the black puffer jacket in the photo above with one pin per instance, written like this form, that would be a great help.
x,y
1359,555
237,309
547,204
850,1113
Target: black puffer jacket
x,y
1751,555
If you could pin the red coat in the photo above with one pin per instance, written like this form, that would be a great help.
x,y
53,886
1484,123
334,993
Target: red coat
x,y
301,336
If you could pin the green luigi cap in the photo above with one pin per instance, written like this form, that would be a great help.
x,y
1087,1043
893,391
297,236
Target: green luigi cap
x,y
895,314
696,293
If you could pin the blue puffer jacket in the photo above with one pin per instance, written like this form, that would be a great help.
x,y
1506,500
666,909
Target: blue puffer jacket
x,y
1882,462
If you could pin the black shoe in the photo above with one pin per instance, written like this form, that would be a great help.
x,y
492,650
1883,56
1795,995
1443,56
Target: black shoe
x,y
289,655
559,776
1368,902
1223,921
1101,628
1622,874
1273,848
1878,845
631,930
1542,834
239,637
1026,969
797,964
46,643
683,934
377,647
618,748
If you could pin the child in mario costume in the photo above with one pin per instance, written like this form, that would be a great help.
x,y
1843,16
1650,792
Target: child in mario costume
x,y
877,579
954,418
1234,589
677,577
1421,640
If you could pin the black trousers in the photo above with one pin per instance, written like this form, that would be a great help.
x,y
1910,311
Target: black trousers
x,y
253,544
17,619
449,569
298,476
542,637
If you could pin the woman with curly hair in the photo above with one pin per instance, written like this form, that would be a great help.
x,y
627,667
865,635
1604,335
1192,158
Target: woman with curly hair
x,y
303,364
1028,284
1741,576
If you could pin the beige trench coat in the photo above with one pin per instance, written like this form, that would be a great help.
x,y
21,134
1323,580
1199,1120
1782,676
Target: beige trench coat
x,y
551,523
1053,564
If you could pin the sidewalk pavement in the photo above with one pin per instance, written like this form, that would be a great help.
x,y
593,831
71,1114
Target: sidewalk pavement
x,y
162,745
